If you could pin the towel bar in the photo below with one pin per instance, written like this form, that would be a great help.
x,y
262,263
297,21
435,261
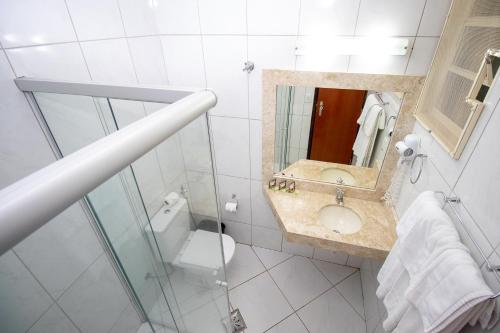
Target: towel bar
x,y
451,201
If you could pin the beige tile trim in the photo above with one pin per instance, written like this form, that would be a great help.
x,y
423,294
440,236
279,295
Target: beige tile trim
x,y
410,86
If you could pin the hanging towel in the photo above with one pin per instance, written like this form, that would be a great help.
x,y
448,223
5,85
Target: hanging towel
x,y
392,268
447,295
420,278
372,119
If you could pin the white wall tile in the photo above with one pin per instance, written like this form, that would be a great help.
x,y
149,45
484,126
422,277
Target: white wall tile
x,y
320,17
421,56
320,62
231,144
477,186
224,58
23,299
389,17
138,17
267,52
195,144
170,159
266,238
255,149
380,64
54,321
226,17
239,187
202,193
177,16
241,232
451,168
434,16
473,230
24,148
128,322
95,19
57,62
263,17
61,250
148,60
34,22
262,214
95,301
109,60
184,60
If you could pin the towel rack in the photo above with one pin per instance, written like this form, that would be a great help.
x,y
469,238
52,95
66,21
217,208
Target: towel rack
x,y
452,201
380,100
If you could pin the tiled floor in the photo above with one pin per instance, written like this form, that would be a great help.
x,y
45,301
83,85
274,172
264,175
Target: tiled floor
x,y
277,293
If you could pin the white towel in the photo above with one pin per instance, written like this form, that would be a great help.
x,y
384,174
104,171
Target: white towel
x,y
448,288
447,295
424,233
392,269
370,122
429,282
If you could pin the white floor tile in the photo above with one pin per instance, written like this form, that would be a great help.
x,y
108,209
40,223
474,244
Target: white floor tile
x,y
244,266
204,319
291,324
189,290
299,280
331,313
260,302
352,291
271,258
333,272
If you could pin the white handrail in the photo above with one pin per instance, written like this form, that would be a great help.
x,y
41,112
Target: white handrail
x,y
34,200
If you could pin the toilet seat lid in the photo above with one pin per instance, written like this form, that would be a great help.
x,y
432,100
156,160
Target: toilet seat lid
x,y
204,250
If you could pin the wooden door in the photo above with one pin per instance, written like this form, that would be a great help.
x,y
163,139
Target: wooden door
x,y
334,127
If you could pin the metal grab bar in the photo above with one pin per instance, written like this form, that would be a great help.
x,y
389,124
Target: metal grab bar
x,y
456,200
34,200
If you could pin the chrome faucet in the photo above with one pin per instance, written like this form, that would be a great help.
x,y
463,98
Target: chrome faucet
x,y
340,197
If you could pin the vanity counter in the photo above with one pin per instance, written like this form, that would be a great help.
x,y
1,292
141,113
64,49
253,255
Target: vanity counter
x,y
311,170
298,215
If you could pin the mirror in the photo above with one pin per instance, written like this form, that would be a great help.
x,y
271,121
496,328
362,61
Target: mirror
x,y
333,135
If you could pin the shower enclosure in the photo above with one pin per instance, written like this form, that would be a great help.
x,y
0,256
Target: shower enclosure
x,y
168,297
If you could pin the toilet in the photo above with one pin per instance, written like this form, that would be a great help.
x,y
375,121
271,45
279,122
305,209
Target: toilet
x,y
182,247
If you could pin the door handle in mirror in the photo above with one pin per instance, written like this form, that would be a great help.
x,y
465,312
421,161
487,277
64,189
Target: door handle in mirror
x,y
321,107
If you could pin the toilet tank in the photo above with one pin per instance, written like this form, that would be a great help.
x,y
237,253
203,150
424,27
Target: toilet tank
x,y
171,226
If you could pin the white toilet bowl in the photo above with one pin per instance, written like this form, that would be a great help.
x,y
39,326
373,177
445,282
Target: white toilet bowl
x,y
197,250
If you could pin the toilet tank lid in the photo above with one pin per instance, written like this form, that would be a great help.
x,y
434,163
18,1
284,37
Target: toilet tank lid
x,y
161,220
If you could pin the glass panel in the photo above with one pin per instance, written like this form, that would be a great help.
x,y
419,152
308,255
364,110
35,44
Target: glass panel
x,y
151,240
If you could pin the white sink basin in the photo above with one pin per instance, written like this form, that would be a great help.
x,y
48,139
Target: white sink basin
x,y
333,175
340,219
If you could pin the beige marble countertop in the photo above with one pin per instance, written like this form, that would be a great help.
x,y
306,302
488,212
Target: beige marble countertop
x,y
298,216
311,170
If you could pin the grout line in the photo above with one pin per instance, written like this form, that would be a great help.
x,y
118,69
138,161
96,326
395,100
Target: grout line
x,y
352,306
54,300
77,40
415,38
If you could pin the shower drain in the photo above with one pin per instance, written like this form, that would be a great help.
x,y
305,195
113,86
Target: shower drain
x,y
237,321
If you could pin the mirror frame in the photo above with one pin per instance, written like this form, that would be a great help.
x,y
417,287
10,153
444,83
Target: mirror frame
x,y
410,86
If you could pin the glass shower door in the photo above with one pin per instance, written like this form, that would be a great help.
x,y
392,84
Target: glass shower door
x,y
148,239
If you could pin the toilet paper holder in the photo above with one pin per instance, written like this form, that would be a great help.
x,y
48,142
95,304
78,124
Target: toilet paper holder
x,y
232,204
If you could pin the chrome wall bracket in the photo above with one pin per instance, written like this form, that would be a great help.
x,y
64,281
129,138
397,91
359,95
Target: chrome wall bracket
x,y
249,67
